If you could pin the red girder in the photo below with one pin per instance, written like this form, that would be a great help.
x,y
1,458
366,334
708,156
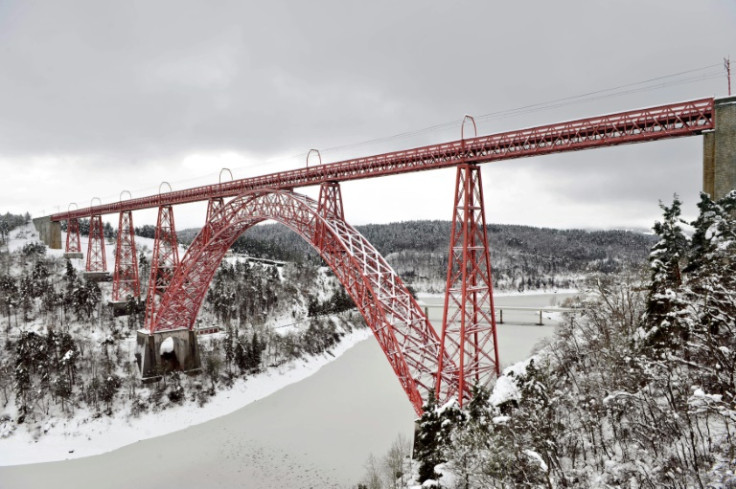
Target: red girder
x,y
468,322
125,282
666,121
96,258
397,321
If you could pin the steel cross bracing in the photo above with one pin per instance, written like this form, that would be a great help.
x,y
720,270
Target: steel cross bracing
x,y
329,205
72,237
125,283
666,121
397,321
213,207
96,258
164,263
468,323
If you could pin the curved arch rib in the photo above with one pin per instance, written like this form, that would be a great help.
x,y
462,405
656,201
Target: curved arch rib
x,y
411,345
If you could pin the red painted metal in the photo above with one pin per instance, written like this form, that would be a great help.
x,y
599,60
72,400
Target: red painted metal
x,y
329,205
667,121
399,324
96,258
164,263
419,358
468,322
213,207
310,153
330,201
125,282
72,236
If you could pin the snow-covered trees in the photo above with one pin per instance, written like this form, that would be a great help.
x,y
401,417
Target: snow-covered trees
x,y
8,222
9,295
243,292
639,392
427,446
524,257
85,297
665,261
44,364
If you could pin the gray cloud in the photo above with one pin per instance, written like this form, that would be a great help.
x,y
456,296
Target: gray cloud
x,y
136,84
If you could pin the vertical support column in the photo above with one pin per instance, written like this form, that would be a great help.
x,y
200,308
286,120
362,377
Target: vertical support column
x,y
213,207
468,322
709,164
125,282
329,205
96,259
719,151
164,262
73,246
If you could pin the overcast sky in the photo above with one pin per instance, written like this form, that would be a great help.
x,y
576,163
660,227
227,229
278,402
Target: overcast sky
x,y
100,97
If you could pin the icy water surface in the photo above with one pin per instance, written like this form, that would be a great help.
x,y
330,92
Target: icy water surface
x,y
316,433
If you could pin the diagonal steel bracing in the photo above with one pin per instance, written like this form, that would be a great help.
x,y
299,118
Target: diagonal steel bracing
x,y
408,340
164,263
125,282
468,323
96,259
72,237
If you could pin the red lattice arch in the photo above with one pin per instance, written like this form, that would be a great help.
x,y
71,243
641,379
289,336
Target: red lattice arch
x,y
411,345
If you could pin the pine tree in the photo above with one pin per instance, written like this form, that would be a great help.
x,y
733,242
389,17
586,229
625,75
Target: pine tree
x,y
256,349
427,449
71,274
69,355
713,230
9,295
229,349
86,297
665,262
240,357
709,295
26,297
24,366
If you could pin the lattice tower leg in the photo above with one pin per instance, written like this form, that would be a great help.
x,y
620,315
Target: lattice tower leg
x,y
126,282
329,205
164,262
72,237
96,259
213,207
468,324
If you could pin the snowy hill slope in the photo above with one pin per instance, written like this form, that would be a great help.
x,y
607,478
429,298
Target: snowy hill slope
x,y
69,385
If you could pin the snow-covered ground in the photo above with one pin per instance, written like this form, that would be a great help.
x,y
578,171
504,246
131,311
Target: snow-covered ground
x,y
84,436
27,234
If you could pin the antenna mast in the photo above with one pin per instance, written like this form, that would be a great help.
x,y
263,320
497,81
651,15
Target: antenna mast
x,y
727,65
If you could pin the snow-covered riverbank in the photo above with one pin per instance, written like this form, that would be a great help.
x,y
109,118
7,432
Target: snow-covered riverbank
x,y
83,436
318,432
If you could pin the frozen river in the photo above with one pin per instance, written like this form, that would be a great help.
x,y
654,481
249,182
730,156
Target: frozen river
x,y
317,433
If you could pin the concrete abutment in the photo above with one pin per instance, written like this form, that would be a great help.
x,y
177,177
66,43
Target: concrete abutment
x,y
48,231
153,362
719,151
